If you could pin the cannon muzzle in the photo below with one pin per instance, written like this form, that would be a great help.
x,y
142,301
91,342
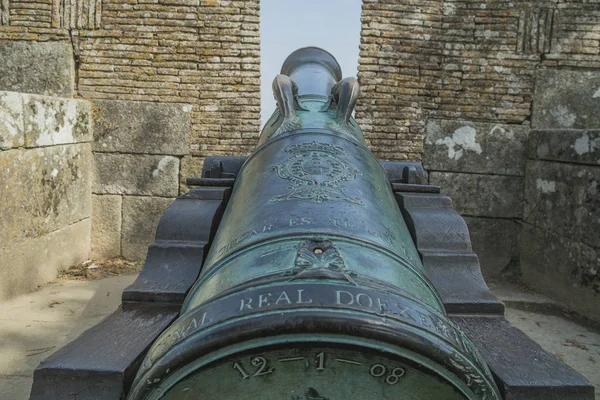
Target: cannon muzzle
x,y
313,287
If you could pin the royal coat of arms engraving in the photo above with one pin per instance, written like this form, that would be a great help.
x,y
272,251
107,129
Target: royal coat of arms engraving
x,y
317,173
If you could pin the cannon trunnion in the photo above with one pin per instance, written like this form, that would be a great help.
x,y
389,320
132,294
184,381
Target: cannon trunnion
x,y
309,270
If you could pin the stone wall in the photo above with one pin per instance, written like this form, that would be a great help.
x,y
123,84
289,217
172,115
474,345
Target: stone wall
x,y
399,65
138,150
481,166
463,60
560,245
452,82
45,176
171,81
205,53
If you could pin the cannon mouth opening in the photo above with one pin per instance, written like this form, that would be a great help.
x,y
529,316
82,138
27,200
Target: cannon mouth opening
x,y
313,70
318,368
313,55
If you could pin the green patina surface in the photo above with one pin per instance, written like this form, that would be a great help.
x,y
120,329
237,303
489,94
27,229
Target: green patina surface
x,y
313,288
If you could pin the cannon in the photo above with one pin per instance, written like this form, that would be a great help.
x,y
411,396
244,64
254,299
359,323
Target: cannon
x,y
309,270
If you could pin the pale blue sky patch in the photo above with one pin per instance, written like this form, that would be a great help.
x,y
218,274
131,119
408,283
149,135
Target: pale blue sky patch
x,y
287,25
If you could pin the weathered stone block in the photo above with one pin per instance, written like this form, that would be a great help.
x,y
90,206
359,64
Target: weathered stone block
x,y
43,189
191,167
51,121
564,198
561,268
496,243
575,146
106,226
146,175
465,146
482,195
142,127
36,261
11,120
140,219
45,68
566,99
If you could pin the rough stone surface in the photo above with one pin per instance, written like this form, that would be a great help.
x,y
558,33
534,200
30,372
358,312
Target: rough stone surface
x,y
44,68
464,146
560,243
50,121
140,219
191,167
574,146
561,268
35,121
564,198
43,189
496,243
567,99
148,175
12,130
482,195
106,226
45,176
142,127
33,262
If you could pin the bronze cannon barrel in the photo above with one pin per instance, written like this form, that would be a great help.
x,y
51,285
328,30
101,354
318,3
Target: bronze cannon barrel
x,y
313,287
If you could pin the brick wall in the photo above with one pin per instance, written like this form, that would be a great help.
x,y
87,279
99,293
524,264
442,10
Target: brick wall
x,y
399,64
200,52
463,59
170,81
460,84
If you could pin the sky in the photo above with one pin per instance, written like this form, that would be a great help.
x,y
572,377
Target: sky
x,y
287,25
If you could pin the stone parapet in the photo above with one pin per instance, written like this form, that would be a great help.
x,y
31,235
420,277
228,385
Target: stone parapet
x,y
560,243
142,127
564,198
481,166
482,195
141,159
45,165
475,147
32,263
37,67
106,226
136,174
571,146
37,121
563,269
